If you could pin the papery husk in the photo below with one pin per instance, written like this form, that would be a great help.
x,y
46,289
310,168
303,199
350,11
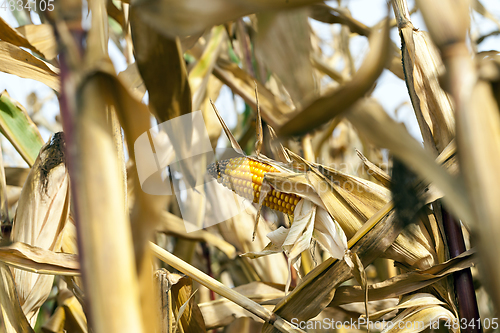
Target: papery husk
x,y
41,216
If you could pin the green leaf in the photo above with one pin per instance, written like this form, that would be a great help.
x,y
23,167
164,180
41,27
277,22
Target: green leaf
x,y
19,129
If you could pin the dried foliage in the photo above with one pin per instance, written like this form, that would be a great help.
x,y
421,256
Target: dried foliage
x,y
315,204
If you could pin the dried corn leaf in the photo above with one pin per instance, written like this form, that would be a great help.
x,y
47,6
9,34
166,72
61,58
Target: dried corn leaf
x,y
14,320
375,171
68,316
478,7
17,176
181,311
4,202
283,44
174,225
201,72
338,209
420,299
41,37
184,308
38,260
420,318
162,66
132,80
234,143
97,38
351,201
337,101
327,14
16,61
163,69
212,124
370,119
274,110
222,312
317,288
447,21
404,283
216,286
238,231
11,35
19,129
184,18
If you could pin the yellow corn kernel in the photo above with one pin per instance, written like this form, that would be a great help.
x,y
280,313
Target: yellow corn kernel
x,y
244,176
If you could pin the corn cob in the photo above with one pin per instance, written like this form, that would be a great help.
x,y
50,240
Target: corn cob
x,y
244,176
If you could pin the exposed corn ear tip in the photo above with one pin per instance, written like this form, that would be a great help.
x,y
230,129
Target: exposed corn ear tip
x,y
40,220
245,176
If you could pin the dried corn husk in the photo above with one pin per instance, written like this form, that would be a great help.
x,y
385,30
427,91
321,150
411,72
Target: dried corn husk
x,y
41,216
14,320
423,66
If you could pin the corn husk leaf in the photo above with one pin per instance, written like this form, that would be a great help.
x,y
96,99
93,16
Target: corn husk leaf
x,y
423,66
40,219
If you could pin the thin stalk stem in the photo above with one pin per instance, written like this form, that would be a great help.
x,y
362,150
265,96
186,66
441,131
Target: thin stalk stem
x,y
464,286
232,295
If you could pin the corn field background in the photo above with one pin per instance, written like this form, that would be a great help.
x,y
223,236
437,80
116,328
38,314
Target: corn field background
x,y
354,154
